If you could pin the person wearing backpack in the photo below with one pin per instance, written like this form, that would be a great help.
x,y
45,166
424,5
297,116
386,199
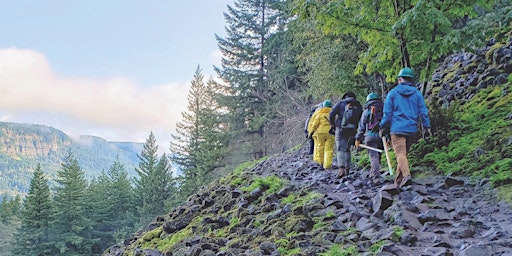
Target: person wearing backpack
x,y
344,116
368,132
324,139
403,108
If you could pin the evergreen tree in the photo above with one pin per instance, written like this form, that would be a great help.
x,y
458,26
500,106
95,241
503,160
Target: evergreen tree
x,y
32,236
10,211
71,226
244,69
199,142
111,207
152,185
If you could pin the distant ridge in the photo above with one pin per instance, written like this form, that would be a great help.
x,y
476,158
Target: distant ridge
x,y
23,146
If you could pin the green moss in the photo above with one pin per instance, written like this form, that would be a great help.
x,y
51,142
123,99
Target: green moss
x,y
338,250
470,138
505,193
290,199
270,184
153,234
490,52
377,246
166,244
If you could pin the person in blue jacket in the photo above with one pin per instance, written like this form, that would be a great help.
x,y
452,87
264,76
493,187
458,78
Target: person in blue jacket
x,y
404,107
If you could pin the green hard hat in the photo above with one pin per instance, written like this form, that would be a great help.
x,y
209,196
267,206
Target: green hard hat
x,y
327,103
372,96
406,72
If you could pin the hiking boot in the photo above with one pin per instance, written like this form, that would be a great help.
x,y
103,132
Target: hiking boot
x,y
406,181
342,172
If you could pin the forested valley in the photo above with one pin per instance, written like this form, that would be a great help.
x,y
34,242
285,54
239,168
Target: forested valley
x,y
279,58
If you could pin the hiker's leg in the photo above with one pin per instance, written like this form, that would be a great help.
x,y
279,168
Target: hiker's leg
x,y
339,157
400,147
321,148
375,142
329,147
344,152
311,146
315,153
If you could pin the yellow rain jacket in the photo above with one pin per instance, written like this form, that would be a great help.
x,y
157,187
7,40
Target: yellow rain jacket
x,y
324,142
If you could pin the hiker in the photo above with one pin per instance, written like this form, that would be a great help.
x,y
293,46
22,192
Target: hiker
x,y
345,117
311,141
403,108
368,133
324,143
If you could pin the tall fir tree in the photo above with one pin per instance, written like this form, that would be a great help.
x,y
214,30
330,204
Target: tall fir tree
x,y
71,226
153,182
32,237
111,207
244,68
198,145
10,212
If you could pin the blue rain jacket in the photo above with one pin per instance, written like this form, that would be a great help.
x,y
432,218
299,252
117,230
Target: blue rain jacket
x,y
403,107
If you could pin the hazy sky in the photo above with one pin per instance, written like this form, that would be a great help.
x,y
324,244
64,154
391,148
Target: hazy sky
x,y
117,69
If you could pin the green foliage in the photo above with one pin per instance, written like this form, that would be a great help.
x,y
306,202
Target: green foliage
x,y
32,236
199,143
476,134
376,247
268,184
394,31
338,250
71,226
154,182
505,193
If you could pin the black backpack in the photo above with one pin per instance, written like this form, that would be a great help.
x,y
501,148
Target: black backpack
x,y
351,115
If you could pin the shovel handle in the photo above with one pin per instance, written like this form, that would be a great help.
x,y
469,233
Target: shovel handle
x,y
388,158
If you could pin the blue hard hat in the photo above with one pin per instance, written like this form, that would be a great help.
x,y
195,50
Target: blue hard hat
x,y
327,103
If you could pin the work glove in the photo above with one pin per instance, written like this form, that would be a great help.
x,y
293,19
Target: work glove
x,y
357,143
384,131
427,133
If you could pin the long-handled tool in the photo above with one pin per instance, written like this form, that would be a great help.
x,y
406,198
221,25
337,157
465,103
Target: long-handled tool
x,y
371,148
388,158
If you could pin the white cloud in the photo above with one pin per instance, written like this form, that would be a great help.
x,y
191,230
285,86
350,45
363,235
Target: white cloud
x,y
115,108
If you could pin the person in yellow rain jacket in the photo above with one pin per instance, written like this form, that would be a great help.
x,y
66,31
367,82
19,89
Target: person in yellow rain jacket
x,y
324,143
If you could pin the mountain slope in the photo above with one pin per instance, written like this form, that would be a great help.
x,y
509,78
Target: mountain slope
x,y
23,146
287,205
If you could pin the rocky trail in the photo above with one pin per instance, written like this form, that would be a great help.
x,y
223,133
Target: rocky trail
x,y
436,215
439,215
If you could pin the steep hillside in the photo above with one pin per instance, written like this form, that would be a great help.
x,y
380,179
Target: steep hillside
x,y
286,205
23,146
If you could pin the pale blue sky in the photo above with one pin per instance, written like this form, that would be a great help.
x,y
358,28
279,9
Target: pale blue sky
x,y
101,67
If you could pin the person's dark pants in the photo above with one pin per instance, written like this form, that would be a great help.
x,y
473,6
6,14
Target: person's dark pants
x,y
311,146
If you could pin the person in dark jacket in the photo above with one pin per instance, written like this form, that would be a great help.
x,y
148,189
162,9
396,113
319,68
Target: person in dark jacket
x,y
403,108
368,133
344,137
